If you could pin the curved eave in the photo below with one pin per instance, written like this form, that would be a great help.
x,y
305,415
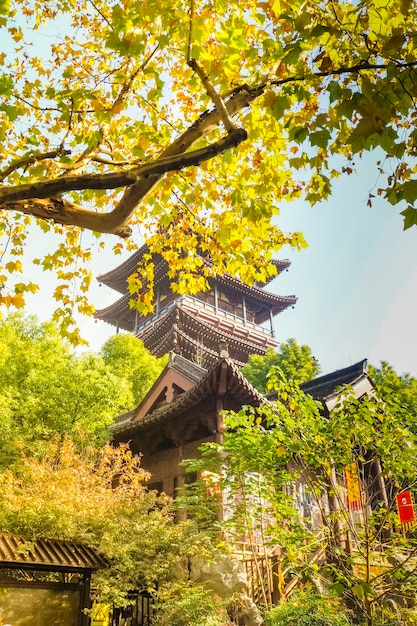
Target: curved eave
x,y
281,304
236,384
159,338
281,265
118,314
122,271
254,293
116,278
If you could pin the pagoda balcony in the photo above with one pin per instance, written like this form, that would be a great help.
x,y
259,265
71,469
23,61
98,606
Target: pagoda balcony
x,y
209,312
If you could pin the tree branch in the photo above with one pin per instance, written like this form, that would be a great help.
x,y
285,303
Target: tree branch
x,y
31,158
212,93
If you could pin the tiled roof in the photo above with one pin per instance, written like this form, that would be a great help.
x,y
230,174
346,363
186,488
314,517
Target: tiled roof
x,y
53,554
324,386
158,337
122,315
116,278
191,370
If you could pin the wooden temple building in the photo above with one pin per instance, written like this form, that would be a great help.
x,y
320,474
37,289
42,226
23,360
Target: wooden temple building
x,y
208,336
229,313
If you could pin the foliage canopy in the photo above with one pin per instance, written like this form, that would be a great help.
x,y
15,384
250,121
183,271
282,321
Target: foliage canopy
x,y
98,498
46,389
296,362
107,109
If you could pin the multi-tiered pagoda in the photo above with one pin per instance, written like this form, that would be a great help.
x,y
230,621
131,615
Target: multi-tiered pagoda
x,y
230,313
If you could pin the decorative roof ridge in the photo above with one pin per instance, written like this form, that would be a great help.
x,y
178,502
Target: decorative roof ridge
x,y
182,365
238,372
359,367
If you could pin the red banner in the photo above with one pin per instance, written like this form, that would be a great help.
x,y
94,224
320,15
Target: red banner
x,y
353,487
406,508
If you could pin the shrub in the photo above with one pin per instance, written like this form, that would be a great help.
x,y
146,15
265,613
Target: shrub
x,y
183,604
308,609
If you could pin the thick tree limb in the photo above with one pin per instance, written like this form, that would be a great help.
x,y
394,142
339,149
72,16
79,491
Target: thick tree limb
x,y
35,199
216,98
65,212
112,180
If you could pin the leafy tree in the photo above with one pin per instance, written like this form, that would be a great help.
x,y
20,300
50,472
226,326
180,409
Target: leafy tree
x,y
371,561
47,389
100,499
108,109
402,387
296,362
184,604
127,358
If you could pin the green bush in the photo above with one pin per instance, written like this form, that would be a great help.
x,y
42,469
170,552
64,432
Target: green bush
x,y
308,609
185,605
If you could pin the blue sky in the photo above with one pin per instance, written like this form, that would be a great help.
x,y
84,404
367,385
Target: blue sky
x,y
357,281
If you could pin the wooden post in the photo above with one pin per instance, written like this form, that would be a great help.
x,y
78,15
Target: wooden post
x,y
271,321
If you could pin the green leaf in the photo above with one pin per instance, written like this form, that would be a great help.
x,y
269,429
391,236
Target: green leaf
x,y
410,217
11,111
335,91
338,588
4,7
293,54
320,138
409,191
359,592
6,85
282,103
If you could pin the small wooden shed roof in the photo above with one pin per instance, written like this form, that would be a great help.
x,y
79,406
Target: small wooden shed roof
x,y
20,552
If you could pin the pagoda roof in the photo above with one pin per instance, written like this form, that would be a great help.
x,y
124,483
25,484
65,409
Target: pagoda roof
x,y
235,385
116,278
179,327
328,389
159,337
322,387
